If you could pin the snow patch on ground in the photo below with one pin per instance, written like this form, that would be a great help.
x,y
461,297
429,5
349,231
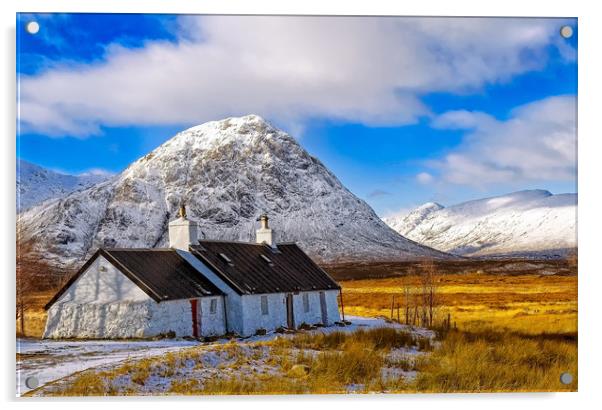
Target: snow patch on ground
x,y
51,361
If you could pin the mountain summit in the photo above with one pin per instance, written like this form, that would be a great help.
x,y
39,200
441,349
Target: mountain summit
x,y
228,173
533,222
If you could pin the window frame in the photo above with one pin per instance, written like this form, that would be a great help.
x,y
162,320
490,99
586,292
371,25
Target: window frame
x,y
265,307
306,307
213,306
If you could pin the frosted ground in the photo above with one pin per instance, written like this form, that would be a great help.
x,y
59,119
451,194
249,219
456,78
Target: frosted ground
x,y
50,361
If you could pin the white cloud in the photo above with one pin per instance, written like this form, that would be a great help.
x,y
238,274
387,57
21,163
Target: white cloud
x,y
536,143
461,120
96,172
288,69
378,193
424,178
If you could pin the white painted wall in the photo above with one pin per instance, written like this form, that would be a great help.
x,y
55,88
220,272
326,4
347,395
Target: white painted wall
x,y
332,306
171,316
118,320
314,315
97,321
234,308
96,286
212,324
253,319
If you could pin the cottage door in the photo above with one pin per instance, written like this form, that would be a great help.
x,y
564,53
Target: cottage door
x,y
196,315
323,309
290,316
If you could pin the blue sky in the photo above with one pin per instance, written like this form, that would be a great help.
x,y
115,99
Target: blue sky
x,y
402,110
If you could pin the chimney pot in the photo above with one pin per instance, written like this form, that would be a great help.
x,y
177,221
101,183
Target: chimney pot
x,y
182,232
264,234
182,211
264,221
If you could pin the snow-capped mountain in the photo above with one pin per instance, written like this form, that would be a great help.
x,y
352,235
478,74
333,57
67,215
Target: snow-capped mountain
x,y
36,184
227,172
533,222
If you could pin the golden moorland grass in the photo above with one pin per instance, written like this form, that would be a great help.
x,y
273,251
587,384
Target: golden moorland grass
x,y
35,316
530,304
489,361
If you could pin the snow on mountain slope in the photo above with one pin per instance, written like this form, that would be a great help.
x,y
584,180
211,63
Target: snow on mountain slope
x,y
411,220
525,222
36,184
228,172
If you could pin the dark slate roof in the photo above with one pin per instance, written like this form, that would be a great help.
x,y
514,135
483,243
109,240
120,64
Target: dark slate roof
x,y
161,273
258,268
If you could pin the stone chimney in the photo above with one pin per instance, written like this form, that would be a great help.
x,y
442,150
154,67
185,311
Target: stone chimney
x,y
264,233
182,232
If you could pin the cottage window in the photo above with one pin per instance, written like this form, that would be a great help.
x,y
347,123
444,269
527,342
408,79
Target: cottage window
x,y
213,306
264,305
306,302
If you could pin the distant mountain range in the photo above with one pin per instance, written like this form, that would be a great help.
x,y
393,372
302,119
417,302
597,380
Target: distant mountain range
x,y
228,173
36,184
525,223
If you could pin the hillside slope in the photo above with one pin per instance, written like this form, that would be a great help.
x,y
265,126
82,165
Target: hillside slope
x,y
533,222
36,184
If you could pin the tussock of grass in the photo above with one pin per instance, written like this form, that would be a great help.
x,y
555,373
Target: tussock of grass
x,y
377,338
86,384
140,372
492,361
185,387
258,385
357,364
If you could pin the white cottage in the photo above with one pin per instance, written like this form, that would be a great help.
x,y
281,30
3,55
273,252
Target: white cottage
x,y
194,288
